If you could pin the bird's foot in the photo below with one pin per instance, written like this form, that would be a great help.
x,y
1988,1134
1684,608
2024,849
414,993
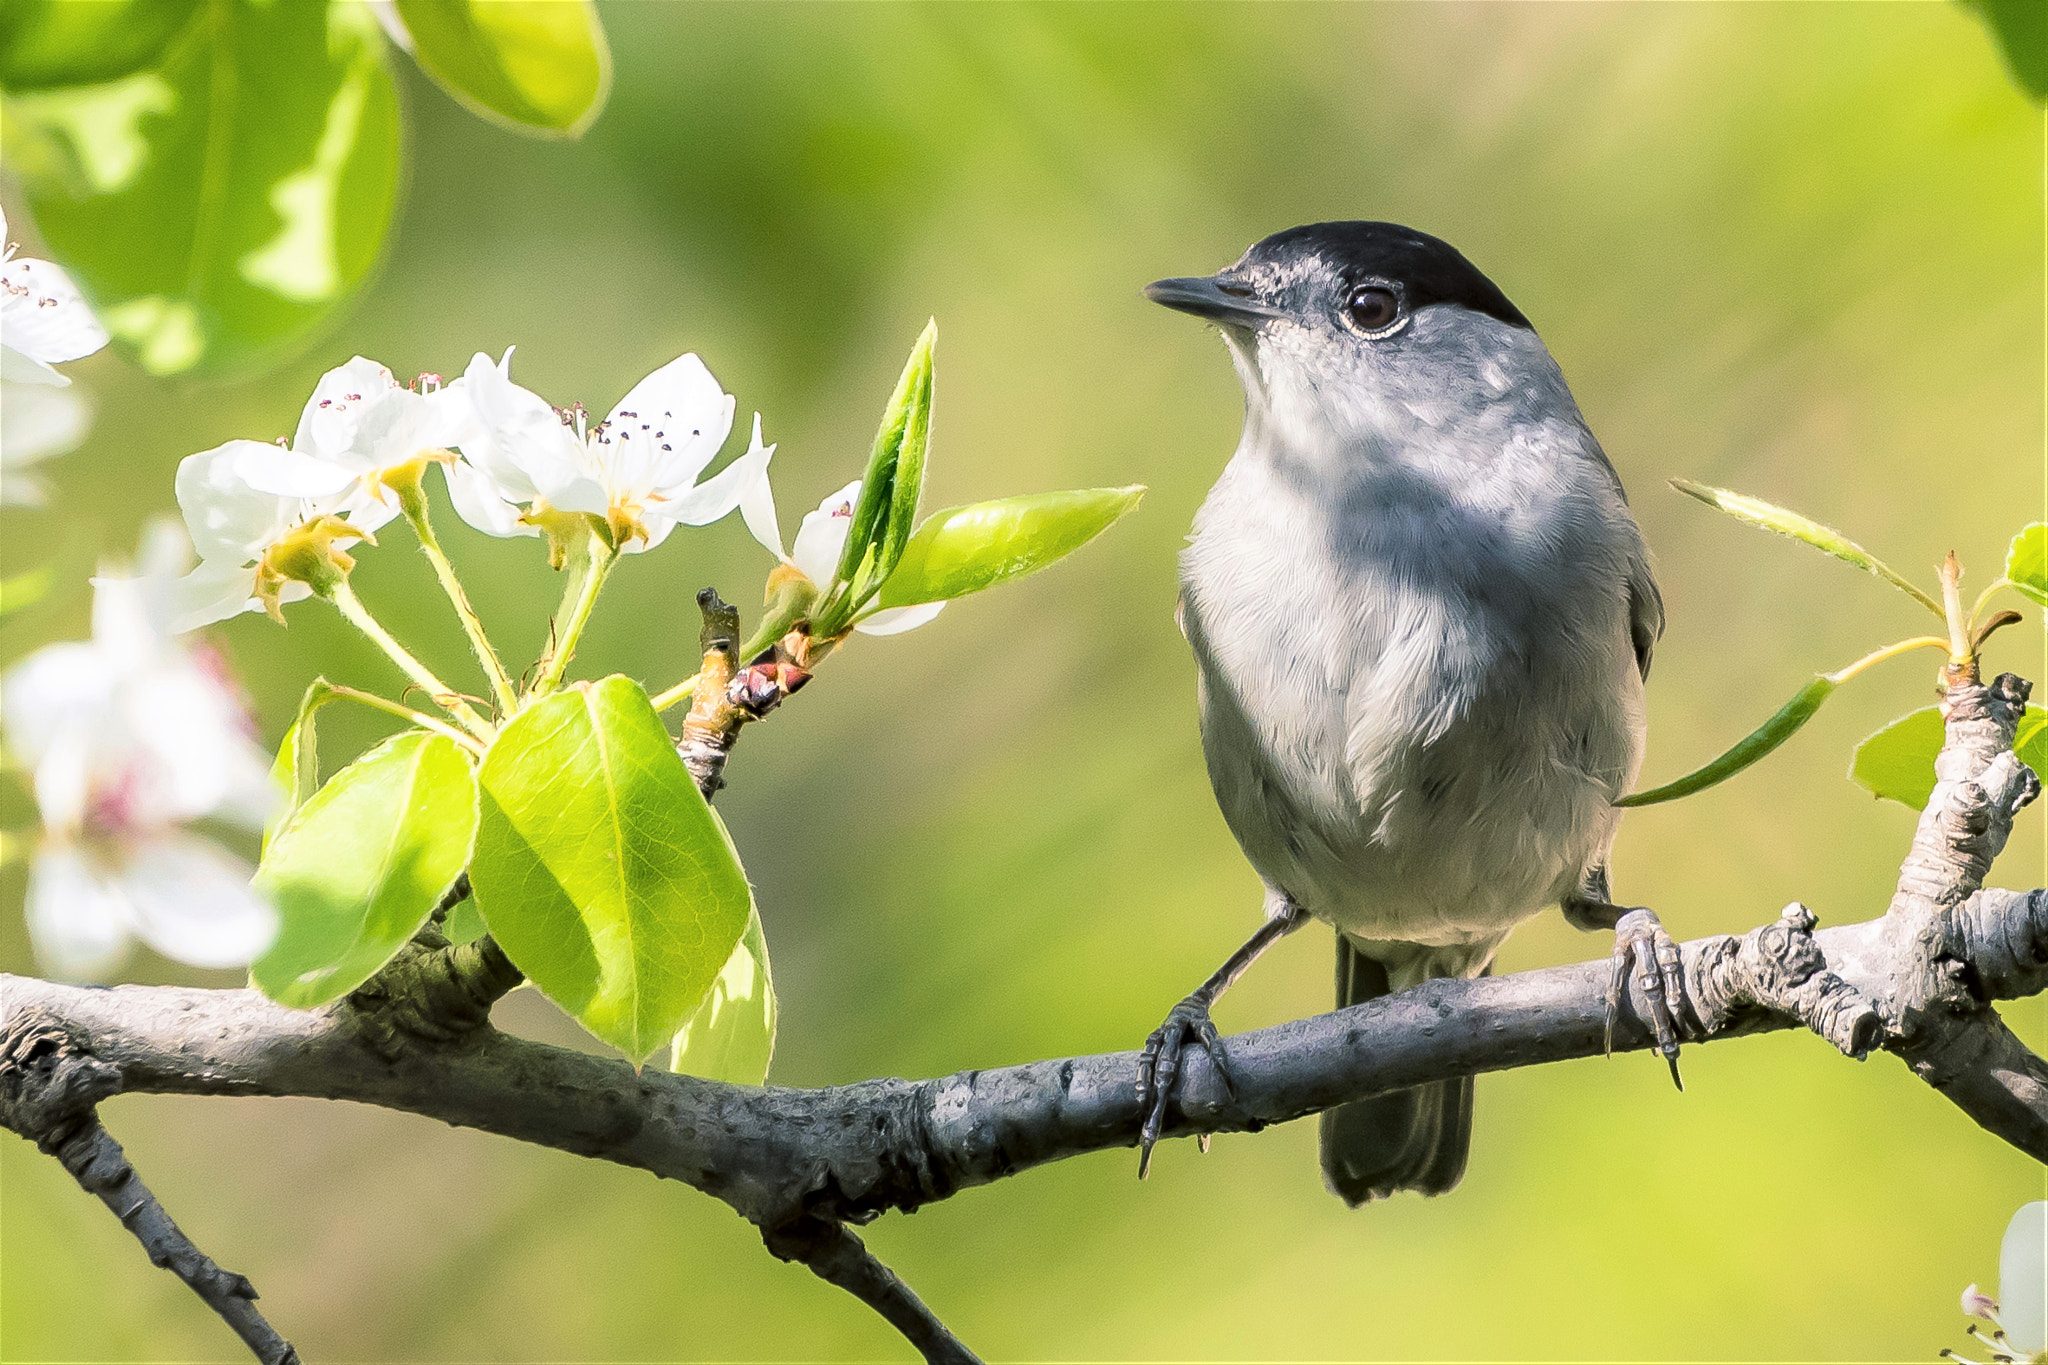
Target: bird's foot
x,y
1160,1066
1641,944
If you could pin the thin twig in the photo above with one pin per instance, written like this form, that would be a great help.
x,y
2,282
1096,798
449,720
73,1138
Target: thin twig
x,y
49,1090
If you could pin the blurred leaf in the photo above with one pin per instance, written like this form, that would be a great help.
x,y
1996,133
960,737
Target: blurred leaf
x,y
24,589
600,869
2022,29
894,478
731,1036
2026,562
1897,763
966,549
1826,539
217,208
465,923
534,65
46,44
1760,741
357,869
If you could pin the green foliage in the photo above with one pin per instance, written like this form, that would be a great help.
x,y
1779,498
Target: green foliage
x,y
356,869
217,205
965,549
538,65
49,44
2026,563
1770,517
24,590
1753,746
731,1036
2022,30
894,479
600,869
1897,762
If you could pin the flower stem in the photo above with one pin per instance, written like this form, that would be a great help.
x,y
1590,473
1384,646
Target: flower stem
x,y
445,697
413,502
419,718
1985,596
677,695
1878,656
602,557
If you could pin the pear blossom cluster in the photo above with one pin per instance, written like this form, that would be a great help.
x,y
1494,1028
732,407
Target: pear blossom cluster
x,y
44,321
128,739
515,465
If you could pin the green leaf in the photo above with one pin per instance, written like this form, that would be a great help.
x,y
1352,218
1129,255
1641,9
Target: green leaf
x,y
218,207
883,516
2026,562
966,549
1826,539
1755,745
539,66
731,1036
2022,29
296,770
48,44
356,870
465,923
1897,763
600,869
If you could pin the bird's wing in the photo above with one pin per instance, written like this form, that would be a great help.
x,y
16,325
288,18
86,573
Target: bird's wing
x,y
1645,613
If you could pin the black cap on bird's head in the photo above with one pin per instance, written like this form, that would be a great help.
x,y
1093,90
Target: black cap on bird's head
x,y
1369,277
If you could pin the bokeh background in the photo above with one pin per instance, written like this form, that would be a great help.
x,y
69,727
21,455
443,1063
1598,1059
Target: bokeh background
x,y
1795,249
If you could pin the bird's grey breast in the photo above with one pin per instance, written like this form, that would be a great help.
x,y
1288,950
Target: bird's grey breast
x,y
1411,609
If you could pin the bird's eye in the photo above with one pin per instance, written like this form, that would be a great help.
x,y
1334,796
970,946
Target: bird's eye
x,y
1372,307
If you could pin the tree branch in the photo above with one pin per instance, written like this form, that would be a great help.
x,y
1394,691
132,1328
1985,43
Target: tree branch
x,y
800,1164
49,1093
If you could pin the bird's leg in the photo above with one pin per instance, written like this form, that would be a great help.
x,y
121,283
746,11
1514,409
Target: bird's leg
x,y
1641,943
1188,1022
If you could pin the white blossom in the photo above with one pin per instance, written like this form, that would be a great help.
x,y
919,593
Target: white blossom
x,y
44,320
36,422
820,541
637,469
129,737
2019,1315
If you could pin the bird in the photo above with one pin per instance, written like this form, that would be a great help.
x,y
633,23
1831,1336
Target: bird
x,y
1422,617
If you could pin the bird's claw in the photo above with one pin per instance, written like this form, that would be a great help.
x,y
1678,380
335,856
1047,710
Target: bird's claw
x,y
1159,1067
1641,944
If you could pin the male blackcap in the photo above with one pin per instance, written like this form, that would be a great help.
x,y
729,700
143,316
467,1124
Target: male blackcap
x,y
1422,617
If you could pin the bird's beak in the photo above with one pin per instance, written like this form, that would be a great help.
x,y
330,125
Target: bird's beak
x,y
1208,297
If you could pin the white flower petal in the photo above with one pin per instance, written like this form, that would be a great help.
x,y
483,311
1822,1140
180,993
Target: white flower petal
x,y
16,368
479,502
228,519
36,422
896,620
657,531
43,317
822,537
663,433
288,473
514,437
344,395
194,755
742,484
215,591
2023,1277
757,499
77,919
192,901
54,691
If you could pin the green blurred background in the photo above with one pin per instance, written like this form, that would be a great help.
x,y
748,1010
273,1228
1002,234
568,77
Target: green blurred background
x,y
1795,249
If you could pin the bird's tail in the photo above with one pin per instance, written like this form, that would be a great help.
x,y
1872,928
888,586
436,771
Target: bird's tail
x,y
1409,1140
